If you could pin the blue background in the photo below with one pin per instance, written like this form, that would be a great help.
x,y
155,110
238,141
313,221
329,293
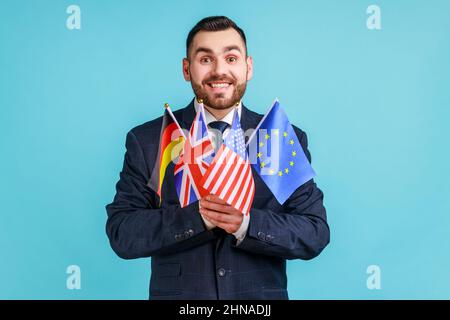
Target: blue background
x,y
375,105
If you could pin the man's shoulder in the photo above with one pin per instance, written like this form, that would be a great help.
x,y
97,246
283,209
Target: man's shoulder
x,y
253,114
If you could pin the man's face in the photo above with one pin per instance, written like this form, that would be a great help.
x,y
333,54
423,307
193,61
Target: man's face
x,y
218,68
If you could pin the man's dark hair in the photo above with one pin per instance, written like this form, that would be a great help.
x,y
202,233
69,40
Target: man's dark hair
x,y
214,23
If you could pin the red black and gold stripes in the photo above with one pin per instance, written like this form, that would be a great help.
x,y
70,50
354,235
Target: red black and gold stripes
x,y
170,146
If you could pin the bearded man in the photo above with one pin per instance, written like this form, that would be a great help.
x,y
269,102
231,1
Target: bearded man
x,y
208,249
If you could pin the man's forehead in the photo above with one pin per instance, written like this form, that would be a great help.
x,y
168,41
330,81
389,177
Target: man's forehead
x,y
218,41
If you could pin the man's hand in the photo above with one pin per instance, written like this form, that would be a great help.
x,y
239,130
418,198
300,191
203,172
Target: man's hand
x,y
221,213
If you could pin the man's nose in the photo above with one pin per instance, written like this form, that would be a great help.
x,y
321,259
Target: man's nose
x,y
220,67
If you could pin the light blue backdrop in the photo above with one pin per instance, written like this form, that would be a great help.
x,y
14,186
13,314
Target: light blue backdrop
x,y
375,105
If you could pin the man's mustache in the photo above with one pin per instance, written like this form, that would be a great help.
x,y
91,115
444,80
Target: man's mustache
x,y
215,79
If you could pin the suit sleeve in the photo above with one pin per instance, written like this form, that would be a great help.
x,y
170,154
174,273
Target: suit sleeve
x,y
298,231
136,227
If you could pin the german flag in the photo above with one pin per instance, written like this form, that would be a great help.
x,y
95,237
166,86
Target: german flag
x,y
170,146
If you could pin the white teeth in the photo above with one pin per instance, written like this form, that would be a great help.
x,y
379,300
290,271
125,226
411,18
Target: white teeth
x,y
219,85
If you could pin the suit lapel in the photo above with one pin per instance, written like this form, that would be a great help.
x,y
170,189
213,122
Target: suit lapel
x,y
187,116
248,119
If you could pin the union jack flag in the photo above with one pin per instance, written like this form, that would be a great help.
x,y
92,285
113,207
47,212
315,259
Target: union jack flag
x,y
194,161
230,175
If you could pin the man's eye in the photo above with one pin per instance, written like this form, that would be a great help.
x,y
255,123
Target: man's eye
x,y
205,60
232,59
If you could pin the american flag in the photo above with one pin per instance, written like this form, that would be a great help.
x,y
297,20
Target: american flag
x,y
230,176
194,161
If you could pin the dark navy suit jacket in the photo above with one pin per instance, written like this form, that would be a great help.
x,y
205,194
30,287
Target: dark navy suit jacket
x,y
190,262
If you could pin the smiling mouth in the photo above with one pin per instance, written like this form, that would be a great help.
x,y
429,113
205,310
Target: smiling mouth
x,y
218,84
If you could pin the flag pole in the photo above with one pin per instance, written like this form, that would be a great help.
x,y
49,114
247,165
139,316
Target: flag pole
x,y
259,124
202,111
167,107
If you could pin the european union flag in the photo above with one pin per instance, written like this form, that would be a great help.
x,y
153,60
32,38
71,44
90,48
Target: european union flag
x,y
280,160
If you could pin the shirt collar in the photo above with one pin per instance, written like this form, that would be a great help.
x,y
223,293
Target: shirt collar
x,y
228,118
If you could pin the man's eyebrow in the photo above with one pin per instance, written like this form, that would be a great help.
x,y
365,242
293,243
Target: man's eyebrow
x,y
232,47
208,50
202,49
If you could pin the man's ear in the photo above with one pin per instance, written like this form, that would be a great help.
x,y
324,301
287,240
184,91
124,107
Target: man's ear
x,y
186,73
249,68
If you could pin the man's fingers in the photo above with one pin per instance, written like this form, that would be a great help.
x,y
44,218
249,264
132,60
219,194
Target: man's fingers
x,y
215,206
213,215
230,223
228,227
220,206
218,224
218,216
216,199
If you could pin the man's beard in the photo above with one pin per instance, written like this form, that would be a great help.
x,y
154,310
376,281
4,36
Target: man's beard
x,y
217,101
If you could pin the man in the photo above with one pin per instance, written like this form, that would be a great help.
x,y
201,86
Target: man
x,y
209,250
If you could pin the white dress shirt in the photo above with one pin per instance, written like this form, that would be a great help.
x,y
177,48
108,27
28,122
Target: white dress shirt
x,y
242,231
